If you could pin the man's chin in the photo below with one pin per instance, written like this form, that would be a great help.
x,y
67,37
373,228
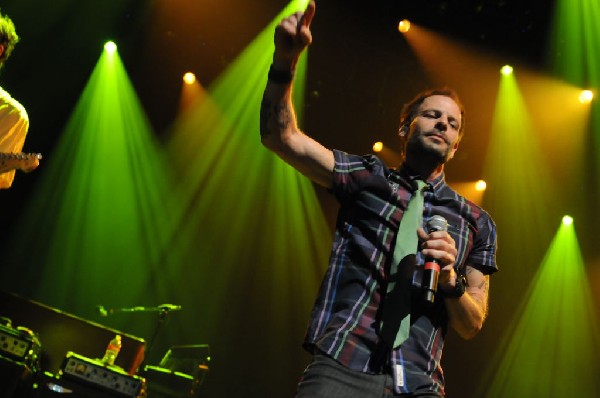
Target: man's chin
x,y
434,152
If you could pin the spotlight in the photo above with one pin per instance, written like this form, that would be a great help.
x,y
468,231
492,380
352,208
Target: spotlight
x,y
567,220
110,47
506,70
586,96
404,26
378,146
480,186
189,78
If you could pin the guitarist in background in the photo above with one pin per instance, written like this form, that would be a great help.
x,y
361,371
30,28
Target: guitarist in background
x,y
14,122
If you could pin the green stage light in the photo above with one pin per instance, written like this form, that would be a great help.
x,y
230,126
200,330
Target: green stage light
x,y
103,206
251,224
513,132
552,348
576,51
567,220
110,47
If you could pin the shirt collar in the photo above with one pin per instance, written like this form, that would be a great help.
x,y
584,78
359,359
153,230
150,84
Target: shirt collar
x,y
435,185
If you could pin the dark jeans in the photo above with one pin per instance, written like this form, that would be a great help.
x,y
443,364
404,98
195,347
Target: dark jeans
x,y
326,378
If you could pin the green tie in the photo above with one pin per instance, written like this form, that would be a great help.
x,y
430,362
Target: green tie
x,y
396,306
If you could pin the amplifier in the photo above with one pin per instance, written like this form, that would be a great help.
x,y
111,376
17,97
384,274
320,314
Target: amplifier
x,y
16,379
92,372
20,344
163,383
61,332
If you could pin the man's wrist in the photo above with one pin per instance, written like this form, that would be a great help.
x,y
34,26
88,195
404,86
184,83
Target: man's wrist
x,y
281,75
459,287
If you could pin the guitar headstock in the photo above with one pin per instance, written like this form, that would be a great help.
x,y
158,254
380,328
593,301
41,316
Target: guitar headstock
x,y
20,155
24,161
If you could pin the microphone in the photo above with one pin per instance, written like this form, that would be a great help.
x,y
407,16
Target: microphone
x,y
431,269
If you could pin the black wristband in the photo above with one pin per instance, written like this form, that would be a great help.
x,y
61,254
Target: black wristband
x,y
459,289
280,76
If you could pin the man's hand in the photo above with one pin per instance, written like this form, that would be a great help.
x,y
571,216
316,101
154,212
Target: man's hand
x,y
440,246
292,36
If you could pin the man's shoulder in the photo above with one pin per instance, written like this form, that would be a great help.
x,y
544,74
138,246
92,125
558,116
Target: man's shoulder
x,y
346,162
474,209
11,108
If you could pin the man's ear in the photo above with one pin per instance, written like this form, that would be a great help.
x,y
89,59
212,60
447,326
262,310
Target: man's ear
x,y
403,130
1,49
453,150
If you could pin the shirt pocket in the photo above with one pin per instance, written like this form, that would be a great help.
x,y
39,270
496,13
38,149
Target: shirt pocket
x,y
460,231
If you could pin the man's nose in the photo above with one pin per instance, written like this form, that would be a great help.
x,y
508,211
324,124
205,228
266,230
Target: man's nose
x,y
441,125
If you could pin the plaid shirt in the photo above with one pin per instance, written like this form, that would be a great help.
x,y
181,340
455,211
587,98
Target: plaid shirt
x,y
343,322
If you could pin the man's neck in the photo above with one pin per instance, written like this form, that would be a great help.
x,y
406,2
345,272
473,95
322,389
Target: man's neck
x,y
425,170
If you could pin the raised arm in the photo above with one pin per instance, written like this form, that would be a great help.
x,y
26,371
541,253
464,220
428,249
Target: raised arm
x,y
278,124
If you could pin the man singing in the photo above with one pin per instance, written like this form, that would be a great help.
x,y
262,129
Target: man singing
x,y
346,334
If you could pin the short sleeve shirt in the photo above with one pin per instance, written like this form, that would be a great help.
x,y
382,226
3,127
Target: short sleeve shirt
x,y
343,321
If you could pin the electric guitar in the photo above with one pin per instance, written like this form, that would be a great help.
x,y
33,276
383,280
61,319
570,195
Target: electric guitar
x,y
23,161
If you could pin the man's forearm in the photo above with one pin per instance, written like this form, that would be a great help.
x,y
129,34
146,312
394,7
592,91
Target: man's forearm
x,y
277,116
280,133
468,312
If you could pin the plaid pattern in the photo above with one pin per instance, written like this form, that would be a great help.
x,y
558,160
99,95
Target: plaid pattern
x,y
344,318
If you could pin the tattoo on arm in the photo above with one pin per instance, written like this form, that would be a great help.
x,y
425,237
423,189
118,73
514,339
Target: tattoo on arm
x,y
279,111
484,284
483,287
265,115
283,113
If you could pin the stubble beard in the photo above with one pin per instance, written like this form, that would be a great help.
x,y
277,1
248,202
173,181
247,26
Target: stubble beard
x,y
420,148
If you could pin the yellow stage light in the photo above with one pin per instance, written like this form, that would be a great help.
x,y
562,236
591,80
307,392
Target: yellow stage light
x,y
480,186
378,146
506,70
567,220
586,96
189,78
404,26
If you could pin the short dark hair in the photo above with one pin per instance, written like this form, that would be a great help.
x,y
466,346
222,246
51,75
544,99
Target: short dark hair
x,y
8,37
410,109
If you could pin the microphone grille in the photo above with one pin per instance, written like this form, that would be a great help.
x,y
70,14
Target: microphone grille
x,y
437,223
